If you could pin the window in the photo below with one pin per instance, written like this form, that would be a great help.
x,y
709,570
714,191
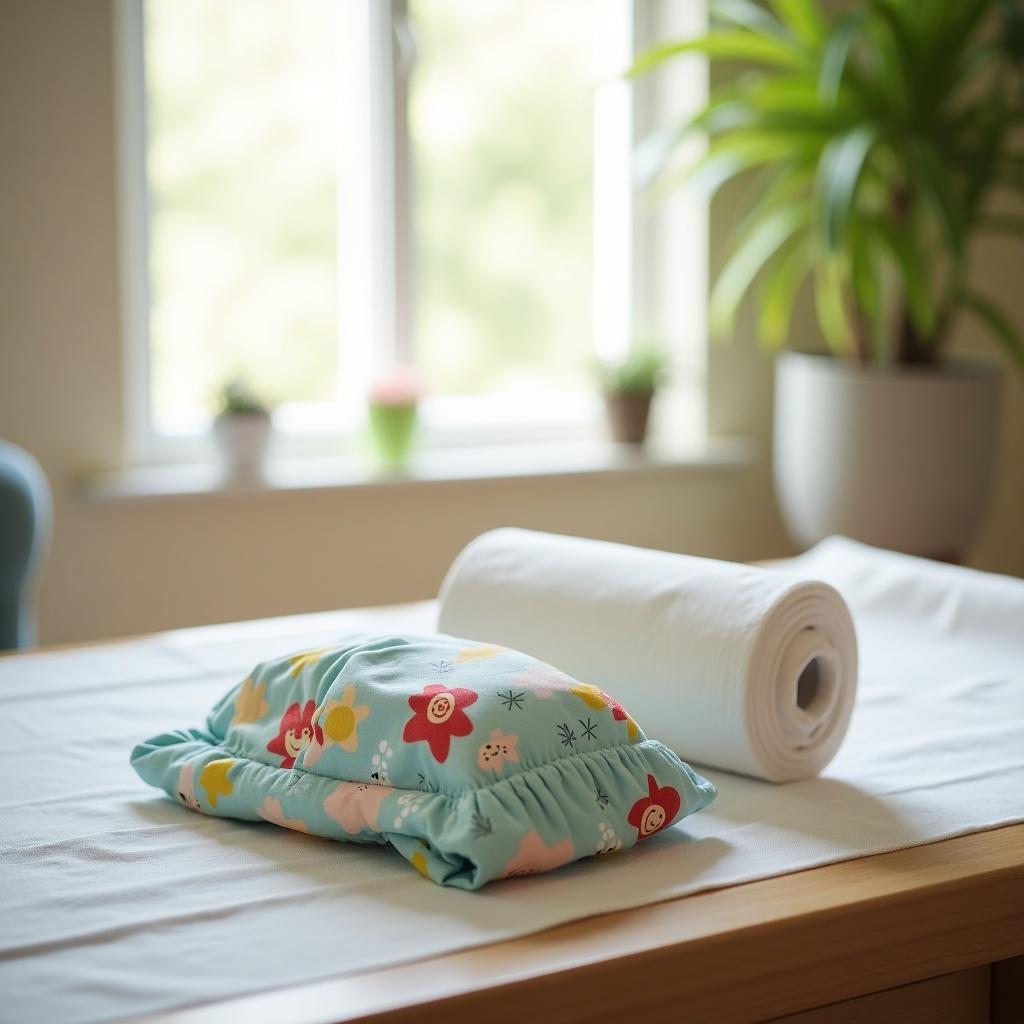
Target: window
x,y
315,191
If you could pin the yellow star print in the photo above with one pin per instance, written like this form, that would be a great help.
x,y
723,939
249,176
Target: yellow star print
x,y
249,704
340,720
419,862
478,653
590,695
300,661
214,779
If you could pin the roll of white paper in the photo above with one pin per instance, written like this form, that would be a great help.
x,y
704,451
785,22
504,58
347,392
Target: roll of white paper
x,y
732,666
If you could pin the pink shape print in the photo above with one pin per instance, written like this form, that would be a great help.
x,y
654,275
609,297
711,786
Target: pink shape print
x,y
187,788
271,811
542,681
500,748
356,806
534,855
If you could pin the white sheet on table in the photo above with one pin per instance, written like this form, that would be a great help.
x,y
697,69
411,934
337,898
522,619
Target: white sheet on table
x,y
115,901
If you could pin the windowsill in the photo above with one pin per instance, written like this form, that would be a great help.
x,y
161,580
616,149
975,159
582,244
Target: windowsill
x,y
438,466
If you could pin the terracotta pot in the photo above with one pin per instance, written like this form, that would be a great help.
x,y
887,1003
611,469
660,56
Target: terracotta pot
x,y
242,441
628,413
899,457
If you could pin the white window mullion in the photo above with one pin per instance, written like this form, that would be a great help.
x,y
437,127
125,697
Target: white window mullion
x,y
380,142
403,183
373,278
613,182
670,231
133,224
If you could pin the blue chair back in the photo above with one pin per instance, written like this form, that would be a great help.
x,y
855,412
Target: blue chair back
x,y
25,518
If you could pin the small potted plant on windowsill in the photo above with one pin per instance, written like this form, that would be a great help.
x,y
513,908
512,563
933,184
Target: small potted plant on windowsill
x,y
629,387
242,431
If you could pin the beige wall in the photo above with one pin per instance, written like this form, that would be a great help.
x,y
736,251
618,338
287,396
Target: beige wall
x,y
123,567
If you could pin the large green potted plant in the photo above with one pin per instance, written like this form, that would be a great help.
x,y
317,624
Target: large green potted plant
x,y
875,137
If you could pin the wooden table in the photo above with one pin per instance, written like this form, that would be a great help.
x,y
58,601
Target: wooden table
x,y
932,933
915,935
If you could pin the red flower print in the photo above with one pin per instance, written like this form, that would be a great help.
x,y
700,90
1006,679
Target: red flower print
x,y
655,811
438,716
295,733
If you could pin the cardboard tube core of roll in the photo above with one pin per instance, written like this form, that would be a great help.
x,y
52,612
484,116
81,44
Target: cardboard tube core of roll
x,y
816,691
807,688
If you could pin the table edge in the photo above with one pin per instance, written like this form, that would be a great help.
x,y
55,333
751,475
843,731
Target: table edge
x,y
962,898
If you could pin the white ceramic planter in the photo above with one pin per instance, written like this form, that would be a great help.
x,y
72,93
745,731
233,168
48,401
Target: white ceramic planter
x,y
897,457
242,441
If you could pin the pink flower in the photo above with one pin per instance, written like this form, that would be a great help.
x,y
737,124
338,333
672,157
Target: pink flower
x,y
399,387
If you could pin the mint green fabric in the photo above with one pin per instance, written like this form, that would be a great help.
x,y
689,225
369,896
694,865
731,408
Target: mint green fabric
x,y
474,762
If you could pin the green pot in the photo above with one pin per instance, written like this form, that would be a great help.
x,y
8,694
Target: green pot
x,y
392,429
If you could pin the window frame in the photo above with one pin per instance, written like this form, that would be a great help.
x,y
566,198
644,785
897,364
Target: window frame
x,y
658,242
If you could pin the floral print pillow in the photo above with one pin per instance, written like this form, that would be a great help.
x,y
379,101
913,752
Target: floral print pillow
x,y
474,761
